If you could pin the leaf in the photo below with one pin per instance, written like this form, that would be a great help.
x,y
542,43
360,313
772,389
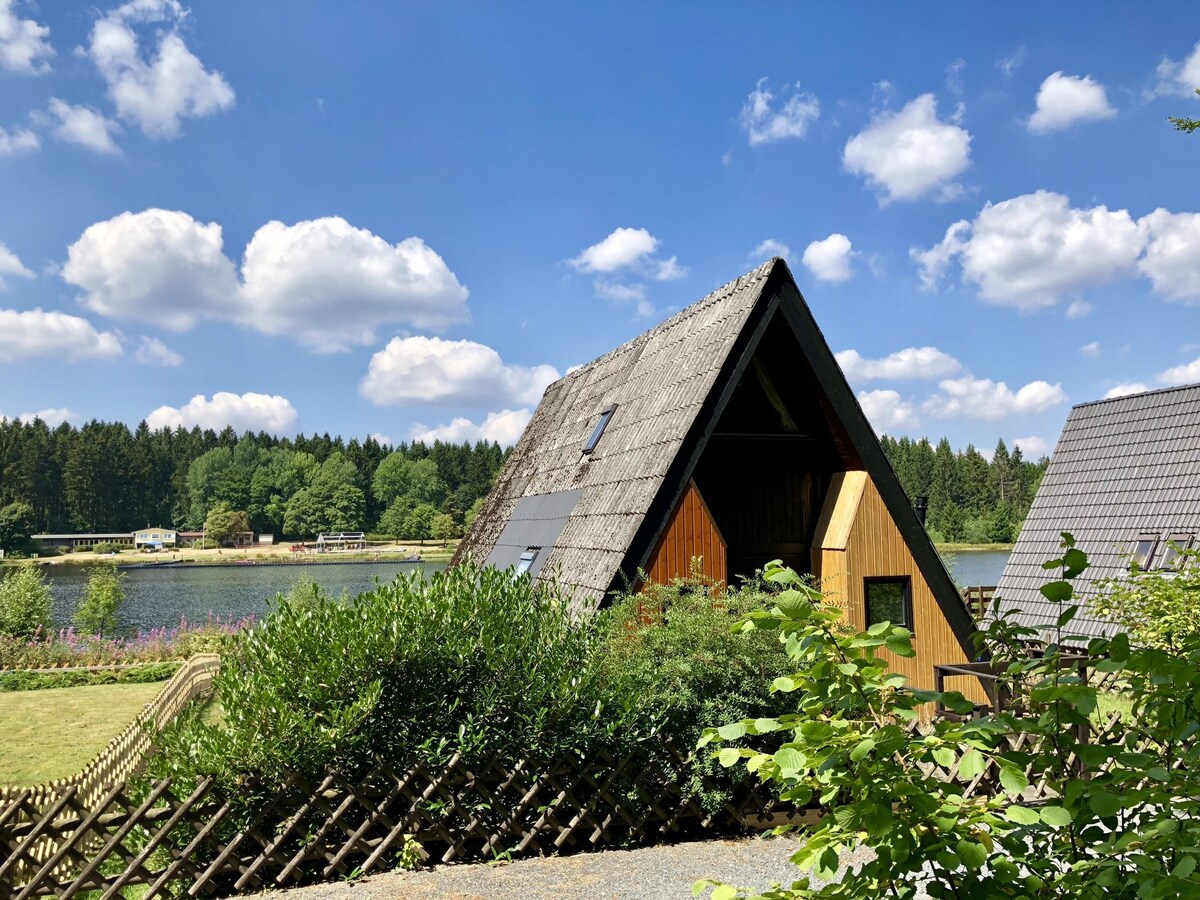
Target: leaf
x,y
733,731
1074,562
762,726
972,855
848,668
1013,780
784,683
864,747
790,760
1184,867
1057,591
728,756
1067,615
1118,647
878,628
724,892
972,764
1158,773
1056,816
1104,803
1019,815
944,756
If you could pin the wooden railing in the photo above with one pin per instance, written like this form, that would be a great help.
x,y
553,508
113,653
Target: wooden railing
x,y
124,754
978,600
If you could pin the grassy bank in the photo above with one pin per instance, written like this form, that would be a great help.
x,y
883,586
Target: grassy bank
x,y
429,552
958,548
53,733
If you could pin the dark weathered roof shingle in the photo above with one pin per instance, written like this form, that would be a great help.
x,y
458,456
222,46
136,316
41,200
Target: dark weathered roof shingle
x,y
1121,467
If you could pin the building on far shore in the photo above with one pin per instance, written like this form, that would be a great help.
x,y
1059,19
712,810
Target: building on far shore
x,y
155,539
80,541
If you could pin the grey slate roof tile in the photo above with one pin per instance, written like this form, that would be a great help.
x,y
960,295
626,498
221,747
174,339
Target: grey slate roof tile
x,y
1121,467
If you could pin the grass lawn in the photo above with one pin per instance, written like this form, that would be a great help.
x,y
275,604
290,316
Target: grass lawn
x,y
53,733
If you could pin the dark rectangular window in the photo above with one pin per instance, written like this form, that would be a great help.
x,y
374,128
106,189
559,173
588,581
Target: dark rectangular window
x,y
1176,544
889,600
525,563
598,431
1143,550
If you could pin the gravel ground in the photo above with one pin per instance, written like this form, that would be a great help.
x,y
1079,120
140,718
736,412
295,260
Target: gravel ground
x,y
652,873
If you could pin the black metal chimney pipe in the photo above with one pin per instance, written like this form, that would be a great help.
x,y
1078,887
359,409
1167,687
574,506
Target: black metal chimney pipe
x,y
921,506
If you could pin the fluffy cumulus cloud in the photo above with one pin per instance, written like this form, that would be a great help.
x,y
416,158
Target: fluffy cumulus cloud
x,y
504,427
244,412
1189,373
1032,447
1172,258
829,259
331,285
909,363
1063,100
18,140
769,249
433,370
1028,251
34,333
1091,350
157,265
982,398
1125,389
153,352
52,416
1180,77
11,265
80,125
910,153
154,87
887,411
768,118
631,250
24,47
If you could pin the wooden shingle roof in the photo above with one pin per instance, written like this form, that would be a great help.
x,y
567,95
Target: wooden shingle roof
x,y
1122,467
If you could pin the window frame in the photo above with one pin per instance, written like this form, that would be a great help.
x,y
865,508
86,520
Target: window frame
x,y
1153,539
606,417
526,561
1173,547
906,582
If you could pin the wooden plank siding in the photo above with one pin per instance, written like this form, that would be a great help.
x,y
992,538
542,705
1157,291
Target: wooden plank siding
x,y
692,532
860,540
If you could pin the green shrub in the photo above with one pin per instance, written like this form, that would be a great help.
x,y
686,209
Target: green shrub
x,y
37,681
102,595
25,602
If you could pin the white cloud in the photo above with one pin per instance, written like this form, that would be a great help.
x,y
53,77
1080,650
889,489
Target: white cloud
x,y
628,249
1189,373
382,439
954,71
1091,351
1172,259
765,122
1078,309
81,125
432,370
829,259
1063,100
155,89
23,45
504,427
619,291
17,141
1032,448
911,362
1124,390
908,154
982,398
247,412
11,265
1180,78
887,411
1028,251
53,417
32,333
1013,61
156,265
771,248
331,285
153,352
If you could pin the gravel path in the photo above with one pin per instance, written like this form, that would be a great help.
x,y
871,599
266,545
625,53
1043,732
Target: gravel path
x,y
652,873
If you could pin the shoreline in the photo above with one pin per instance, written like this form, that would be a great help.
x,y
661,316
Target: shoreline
x,y
961,548
275,555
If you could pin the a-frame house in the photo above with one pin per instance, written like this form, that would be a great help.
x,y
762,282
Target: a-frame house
x,y
729,433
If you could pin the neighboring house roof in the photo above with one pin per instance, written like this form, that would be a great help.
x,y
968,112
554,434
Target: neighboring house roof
x,y
1122,468
598,516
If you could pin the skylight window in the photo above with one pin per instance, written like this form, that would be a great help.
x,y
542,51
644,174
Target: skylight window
x,y
598,431
525,563
1175,545
1143,550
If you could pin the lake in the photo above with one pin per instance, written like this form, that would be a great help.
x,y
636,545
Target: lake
x,y
157,598
973,567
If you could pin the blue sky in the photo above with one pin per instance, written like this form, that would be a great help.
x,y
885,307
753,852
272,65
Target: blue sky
x,y
404,220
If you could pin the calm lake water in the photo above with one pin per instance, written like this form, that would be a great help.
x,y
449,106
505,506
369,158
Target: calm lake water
x,y
156,598
972,567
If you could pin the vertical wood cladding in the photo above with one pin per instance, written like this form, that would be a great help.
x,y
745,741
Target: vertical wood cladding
x,y
691,533
875,548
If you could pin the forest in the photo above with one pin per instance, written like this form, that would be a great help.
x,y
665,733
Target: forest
x,y
971,500
104,478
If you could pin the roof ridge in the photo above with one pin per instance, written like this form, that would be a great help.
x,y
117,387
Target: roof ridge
x,y
1165,390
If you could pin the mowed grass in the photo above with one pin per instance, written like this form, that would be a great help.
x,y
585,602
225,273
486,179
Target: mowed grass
x,y
54,733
